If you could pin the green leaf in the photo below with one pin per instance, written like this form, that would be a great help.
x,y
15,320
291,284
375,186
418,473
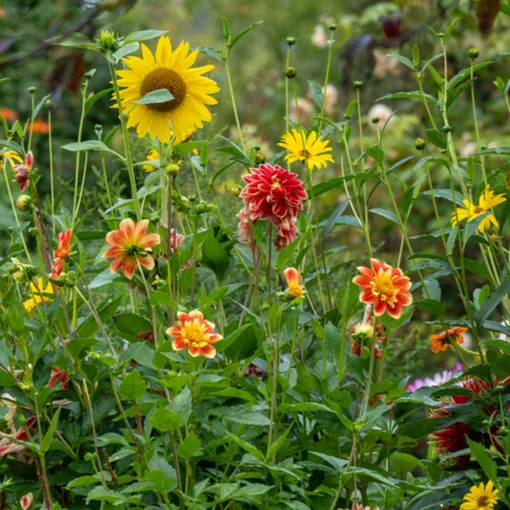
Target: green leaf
x,y
436,137
143,35
156,96
416,94
389,215
74,40
247,417
133,387
489,467
89,145
339,210
323,187
449,30
416,56
164,419
48,437
430,305
210,52
227,34
102,494
95,97
493,301
243,32
316,91
401,59
503,151
447,194
125,50
189,447
465,73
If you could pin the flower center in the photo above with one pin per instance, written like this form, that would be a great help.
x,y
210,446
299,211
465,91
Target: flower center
x,y
483,500
133,250
383,287
478,210
193,334
295,290
304,155
164,78
276,183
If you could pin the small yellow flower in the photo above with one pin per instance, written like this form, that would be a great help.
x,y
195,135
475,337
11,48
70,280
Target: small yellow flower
x,y
12,157
486,202
152,156
310,149
481,497
38,294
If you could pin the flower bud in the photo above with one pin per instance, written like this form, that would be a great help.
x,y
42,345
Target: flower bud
x,y
419,144
24,203
494,238
172,169
31,90
260,158
99,131
473,53
202,207
290,41
332,27
375,120
290,72
358,84
447,129
107,41
236,190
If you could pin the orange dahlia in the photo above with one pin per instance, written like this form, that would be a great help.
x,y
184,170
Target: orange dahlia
x,y
194,333
441,341
384,287
64,244
130,245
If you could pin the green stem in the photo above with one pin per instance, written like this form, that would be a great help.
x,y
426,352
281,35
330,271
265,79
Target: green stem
x,y
234,106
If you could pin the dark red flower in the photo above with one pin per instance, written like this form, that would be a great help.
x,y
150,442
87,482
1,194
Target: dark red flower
x,y
58,374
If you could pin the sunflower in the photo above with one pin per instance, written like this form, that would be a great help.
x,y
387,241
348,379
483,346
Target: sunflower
x,y
481,497
487,201
167,69
310,149
152,156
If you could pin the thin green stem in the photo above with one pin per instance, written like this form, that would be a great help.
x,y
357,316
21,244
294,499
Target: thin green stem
x,y
234,106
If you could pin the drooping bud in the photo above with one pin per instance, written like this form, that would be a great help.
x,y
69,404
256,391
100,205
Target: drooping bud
x,y
236,190
260,158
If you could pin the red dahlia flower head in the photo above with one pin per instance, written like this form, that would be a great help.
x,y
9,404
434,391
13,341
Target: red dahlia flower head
x,y
64,244
384,287
131,245
194,333
272,193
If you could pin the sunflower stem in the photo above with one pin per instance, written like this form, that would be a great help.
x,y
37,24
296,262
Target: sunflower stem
x,y
234,106
127,145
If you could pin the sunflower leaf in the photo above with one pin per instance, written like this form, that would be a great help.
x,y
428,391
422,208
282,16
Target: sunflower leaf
x,y
156,96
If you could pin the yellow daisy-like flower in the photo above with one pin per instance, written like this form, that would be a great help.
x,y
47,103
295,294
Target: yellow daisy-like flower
x,y
481,497
38,294
167,69
12,157
152,156
486,202
310,149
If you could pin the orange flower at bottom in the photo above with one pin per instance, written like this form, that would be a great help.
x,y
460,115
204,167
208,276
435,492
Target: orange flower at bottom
x,y
384,287
194,333
131,245
293,278
441,341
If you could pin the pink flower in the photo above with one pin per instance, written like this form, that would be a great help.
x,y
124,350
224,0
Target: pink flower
x,y
22,172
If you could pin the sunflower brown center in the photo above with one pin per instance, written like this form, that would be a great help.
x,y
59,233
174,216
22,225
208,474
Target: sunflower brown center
x,y
164,78
478,210
483,500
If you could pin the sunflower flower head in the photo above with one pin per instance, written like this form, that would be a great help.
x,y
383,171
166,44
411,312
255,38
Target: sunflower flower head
x,y
152,156
169,69
38,294
309,149
384,287
487,201
194,333
481,497
131,245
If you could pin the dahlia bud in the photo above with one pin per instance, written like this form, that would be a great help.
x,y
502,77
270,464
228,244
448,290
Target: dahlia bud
x,y
26,501
172,169
358,84
419,144
375,120
363,332
236,190
107,41
24,203
290,72
290,41
260,158
473,53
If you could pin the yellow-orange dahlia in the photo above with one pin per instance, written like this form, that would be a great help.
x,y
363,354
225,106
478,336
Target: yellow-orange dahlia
x,y
194,333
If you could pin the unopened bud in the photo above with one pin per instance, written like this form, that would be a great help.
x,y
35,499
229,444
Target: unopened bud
x,y
24,203
375,120
473,53
172,169
107,41
260,158
290,72
419,144
358,84
447,129
332,27
31,90
236,190
290,41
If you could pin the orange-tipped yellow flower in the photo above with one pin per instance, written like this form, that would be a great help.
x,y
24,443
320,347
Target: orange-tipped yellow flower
x,y
293,278
384,287
194,333
441,341
130,246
